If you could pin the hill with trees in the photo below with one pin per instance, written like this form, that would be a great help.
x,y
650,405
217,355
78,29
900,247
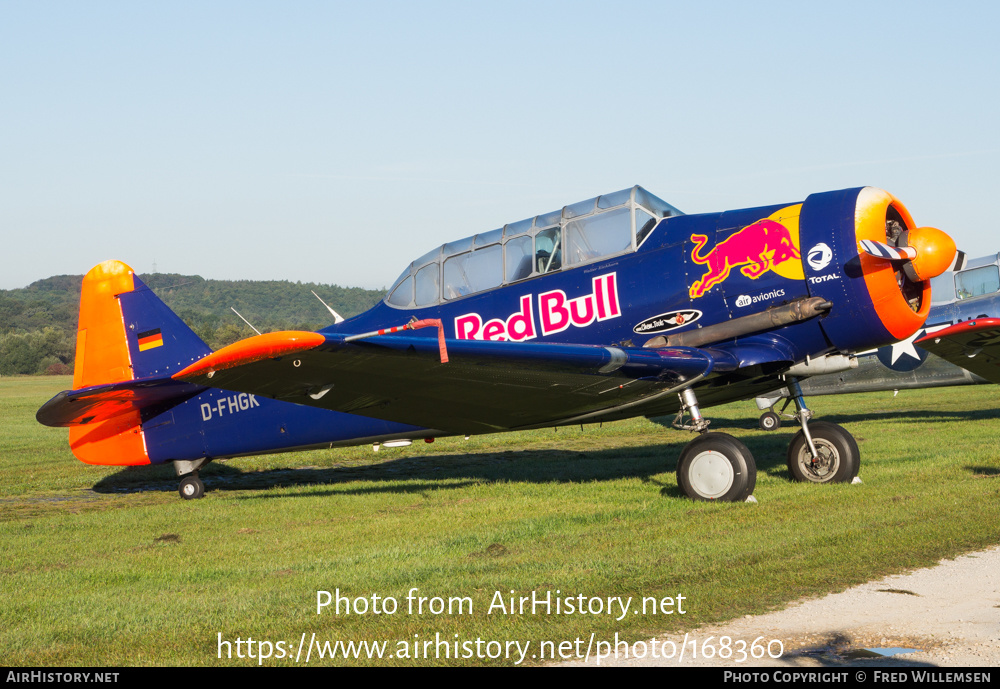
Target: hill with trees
x,y
38,322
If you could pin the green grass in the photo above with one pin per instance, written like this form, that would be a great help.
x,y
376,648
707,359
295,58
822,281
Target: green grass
x,y
109,567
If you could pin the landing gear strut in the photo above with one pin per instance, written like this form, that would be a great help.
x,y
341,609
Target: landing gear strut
x,y
713,466
822,452
836,460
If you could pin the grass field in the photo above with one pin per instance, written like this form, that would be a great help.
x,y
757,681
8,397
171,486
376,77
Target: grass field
x,y
109,567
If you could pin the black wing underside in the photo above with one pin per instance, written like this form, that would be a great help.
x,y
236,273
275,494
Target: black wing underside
x,y
484,387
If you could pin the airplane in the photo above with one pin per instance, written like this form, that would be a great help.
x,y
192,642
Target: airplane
x,y
613,307
968,295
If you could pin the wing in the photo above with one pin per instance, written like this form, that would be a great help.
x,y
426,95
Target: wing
x,y
484,386
973,345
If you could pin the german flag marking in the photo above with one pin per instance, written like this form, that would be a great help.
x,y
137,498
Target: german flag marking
x,y
150,340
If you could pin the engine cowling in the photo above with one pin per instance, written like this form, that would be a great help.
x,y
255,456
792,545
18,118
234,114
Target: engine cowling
x,y
877,300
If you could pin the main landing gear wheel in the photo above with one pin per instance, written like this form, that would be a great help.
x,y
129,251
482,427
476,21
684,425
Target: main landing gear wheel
x,y
191,487
838,458
717,466
769,421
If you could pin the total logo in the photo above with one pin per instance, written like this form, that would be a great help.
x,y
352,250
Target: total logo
x,y
819,256
556,312
824,278
746,299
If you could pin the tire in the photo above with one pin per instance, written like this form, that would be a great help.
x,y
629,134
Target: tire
x,y
840,459
769,421
717,466
191,487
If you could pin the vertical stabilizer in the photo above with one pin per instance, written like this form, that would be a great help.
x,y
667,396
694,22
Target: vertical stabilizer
x,y
125,333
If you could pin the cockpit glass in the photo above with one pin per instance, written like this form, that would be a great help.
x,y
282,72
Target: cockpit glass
x,y
644,224
548,250
655,203
429,256
473,272
428,289
516,228
584,232
402,294
457,247
487,238
581,208
601,234
616,199
518,256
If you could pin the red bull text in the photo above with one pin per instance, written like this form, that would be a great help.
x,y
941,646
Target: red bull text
x,y
556,312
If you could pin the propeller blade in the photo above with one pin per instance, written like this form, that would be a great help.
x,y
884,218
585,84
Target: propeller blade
x,y
891,253
959,262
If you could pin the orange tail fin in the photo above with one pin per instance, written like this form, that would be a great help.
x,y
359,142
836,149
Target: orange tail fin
x,y
102,356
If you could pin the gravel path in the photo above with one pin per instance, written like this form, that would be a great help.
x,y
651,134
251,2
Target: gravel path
x,y
950,612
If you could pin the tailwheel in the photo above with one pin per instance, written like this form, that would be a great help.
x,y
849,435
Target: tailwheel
x,y
717,466
836,460
769,421
191,487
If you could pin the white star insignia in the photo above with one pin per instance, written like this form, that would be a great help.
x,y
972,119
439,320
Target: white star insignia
x,y
906,346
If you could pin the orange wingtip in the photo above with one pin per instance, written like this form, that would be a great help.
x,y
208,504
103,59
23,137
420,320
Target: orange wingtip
x,y
266,346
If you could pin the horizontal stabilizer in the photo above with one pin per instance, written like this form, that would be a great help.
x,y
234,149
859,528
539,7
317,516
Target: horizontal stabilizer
x,y
103,402
250,350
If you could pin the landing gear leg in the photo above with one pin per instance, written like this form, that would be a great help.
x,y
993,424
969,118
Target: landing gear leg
x,y
802,413
821,452
689,403
713,466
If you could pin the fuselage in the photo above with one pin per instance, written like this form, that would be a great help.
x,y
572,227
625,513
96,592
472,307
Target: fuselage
x,y
624,272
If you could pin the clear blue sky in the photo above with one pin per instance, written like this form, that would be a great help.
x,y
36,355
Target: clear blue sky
x,y
335,142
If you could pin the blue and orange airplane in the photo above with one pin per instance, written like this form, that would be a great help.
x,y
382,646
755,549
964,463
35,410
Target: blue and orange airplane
x,y
610,308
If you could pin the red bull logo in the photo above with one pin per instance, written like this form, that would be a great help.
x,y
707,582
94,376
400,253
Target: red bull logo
x,y
555,312
768,244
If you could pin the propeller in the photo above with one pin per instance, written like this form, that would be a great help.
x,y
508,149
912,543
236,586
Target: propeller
x,y
927,252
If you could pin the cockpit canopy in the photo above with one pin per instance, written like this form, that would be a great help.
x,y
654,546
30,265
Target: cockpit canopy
x,y
581,233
